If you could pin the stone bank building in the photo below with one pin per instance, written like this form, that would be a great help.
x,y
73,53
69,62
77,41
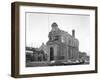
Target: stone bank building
x,y
62,45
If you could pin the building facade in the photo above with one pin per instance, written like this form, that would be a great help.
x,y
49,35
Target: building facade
x,y
83,57
35,55
62,46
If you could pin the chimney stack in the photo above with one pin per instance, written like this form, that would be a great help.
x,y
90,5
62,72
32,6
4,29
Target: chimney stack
x,y
73,33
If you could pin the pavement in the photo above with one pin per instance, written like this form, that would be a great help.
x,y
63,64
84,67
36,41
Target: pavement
x,y
36,64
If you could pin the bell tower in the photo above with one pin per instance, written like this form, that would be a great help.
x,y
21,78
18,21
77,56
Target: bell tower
x,y
53,42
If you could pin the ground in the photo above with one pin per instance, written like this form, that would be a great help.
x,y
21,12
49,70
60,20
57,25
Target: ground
x,y
35,64
46,63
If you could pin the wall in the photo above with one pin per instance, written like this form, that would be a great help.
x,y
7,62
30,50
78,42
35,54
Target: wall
x,y
5,40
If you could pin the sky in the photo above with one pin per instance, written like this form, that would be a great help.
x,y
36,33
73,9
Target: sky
x,y
38,26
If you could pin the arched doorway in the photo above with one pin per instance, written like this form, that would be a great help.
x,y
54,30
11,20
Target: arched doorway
x,y
51,54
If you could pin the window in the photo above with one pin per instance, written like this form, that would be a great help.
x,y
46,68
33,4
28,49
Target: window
x,y
62,39
57,37
50,38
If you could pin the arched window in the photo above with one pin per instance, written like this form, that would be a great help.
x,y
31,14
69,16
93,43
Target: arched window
x,y
56,37
50,38
51,53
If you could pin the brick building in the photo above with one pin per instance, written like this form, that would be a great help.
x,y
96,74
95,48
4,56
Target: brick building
x,y
61,45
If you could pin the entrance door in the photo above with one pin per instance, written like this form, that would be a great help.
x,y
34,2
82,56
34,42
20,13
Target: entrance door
x,y
51,54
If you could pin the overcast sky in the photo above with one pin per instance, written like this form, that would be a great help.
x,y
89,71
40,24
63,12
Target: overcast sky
x,y
38,25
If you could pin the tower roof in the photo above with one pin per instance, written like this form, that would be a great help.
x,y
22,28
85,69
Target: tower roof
x,y
54,24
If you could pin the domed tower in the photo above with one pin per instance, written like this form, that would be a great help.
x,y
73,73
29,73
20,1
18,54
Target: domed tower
x,y
54,34
53,42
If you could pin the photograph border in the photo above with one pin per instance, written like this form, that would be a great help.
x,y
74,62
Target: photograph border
x,y
15,32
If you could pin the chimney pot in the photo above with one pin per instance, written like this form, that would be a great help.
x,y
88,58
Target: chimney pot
x,y
73,33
